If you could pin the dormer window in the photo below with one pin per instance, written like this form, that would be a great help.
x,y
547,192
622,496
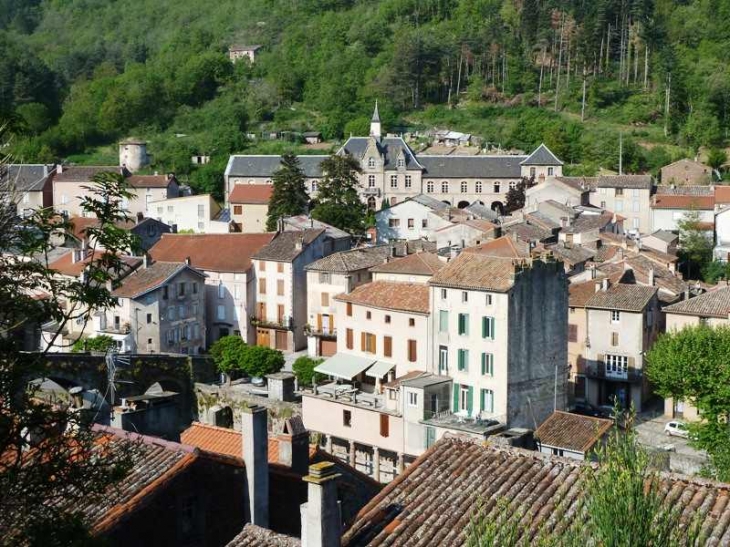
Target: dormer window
x,y
401,162
371,162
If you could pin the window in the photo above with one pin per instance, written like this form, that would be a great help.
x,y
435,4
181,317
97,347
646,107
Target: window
x,y
221,290
201,211
463,323
280,287
368,315
424,223
164,292
371,181
635,223
159,210
444,187
238,210
464,296
488,327
409,181
619,191
512,185
463,360
478,187
603,205
262,286
412,351
314,186
325,277
619,206
411,322
181,289
443,321
488,300
371,162
182,312
384,425
195,287
704,321
221,312
368,342
394,181
465,399
614,339
533,172
393,222
64,199
171,313
443,360
262,266
580,387
572,332
617,364
348,309
615,316
325,299
411,224
443,294
497,188
194,308
487,364
412,398
349,339
387,318
347,418
149,318
635,206
602,191
464,187
486,404
429,187
551,171
388,346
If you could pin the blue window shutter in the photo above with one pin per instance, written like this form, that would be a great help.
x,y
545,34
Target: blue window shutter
x,y
456,397
469,401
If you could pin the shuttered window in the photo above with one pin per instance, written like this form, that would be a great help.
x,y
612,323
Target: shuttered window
x,y
348,308
262,286
488,327
464,323
412,351
463,359
486,403
487,364
572,333
349,339
387,346
384,425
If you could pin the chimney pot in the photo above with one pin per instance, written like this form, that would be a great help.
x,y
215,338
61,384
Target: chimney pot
x,y
321,520
187,261
145,261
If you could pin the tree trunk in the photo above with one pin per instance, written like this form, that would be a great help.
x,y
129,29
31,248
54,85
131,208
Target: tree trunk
x,y
600,57
583,103
458,78
539,85
667,93
608,48
646,65
560,61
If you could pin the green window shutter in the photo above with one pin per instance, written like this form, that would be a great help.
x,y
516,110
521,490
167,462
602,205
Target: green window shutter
x,y
456,397
460,355
466,323
466,359
494,328
461,323
481,400
469,400
484,364
484,328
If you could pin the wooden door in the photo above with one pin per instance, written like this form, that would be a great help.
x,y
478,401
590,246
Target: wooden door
x,y
263,338
281,340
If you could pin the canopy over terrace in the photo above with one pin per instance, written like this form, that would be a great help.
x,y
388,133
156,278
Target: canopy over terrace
x,y
345,366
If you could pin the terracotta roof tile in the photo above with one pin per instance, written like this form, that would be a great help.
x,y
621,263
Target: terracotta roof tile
x,y
352,260
211,252
416,264
82,173
711,304
146,279
572,431
722,195
255,536
251,193
623,297
66,265
472,270
283,247
148,181
504,247
221,440
683,202
390,295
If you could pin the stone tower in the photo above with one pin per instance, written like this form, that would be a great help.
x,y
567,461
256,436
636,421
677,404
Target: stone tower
x,y
133,154
375,129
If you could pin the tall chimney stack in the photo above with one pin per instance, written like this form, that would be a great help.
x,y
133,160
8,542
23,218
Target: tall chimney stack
x,y
321,521
294,445
256,457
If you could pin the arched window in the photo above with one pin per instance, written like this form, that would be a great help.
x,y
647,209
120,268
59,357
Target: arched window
x,y
478,187
512,185
444,187
429,187
497,187
371,162
371,203
464,187
314,186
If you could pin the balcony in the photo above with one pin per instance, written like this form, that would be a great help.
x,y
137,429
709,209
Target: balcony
x,y
597,370
372,192
323,332
284,323
479,424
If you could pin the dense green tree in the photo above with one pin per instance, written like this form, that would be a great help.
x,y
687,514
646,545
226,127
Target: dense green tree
x,y
303,369
696,246
691,365
289,196
260,361
716,158
515,198
338,200
227,352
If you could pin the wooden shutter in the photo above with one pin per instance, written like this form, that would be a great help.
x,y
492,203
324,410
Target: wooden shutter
x,y
412,351
614,339
456,397
362,341
280,287
384,425
348,338
572,333
375,344
387,346
349,309
262,286
319,322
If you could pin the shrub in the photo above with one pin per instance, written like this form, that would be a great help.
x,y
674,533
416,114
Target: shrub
x,y
304,370
227,353
260,361
98,343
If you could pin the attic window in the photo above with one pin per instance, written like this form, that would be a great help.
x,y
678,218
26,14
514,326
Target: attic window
x,y
401,162
371,162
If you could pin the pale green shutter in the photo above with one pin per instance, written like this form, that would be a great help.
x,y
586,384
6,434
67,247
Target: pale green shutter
x,y
484,364
481,400
469,402
456,397
484,328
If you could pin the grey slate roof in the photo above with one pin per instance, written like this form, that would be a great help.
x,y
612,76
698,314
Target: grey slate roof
x,y
283,248
428,201
304,222
266,166
542,156
639,182
25,177
622,297
665,235
481,211
488,167
389,147
353,260
579,183
711,304
685,190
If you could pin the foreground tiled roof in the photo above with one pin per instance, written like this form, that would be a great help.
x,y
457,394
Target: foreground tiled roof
x,y
476,271
415,264
503,247
255,536
283,248
212,252
251,193
572,255
587,222
352,260
622,297
433,501
147,279
711,304
722,194
572,431
390,295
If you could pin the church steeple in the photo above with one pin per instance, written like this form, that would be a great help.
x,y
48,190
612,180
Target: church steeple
x,y
375,123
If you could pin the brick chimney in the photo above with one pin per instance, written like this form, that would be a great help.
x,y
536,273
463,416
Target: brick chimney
x,y
254,429
294,445
321,520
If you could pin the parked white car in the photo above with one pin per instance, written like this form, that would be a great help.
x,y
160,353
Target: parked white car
x,y
677,429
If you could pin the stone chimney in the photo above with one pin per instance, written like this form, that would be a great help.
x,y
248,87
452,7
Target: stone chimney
x,y
604,284
299,243
280,224
254,428
321,521
651,277
59,168
145,261
294,445
187,261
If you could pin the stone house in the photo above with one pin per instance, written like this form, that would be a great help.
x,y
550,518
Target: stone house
x,y
28,186
671,205
199,214
628,196
663,241
147,232
567,191
686,172
336,240
418,267
499,326
237,52
571,435
161,309
623,321
249,207
230,280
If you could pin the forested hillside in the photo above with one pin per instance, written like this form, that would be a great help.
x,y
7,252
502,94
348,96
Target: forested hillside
x,y
78,74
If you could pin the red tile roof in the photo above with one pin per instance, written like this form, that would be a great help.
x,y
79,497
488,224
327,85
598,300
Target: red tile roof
x,y
66,266
390,295
148,181
416,264
503,247
663,201
722,194
251,193
211,252
146,279
572,431
472,270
